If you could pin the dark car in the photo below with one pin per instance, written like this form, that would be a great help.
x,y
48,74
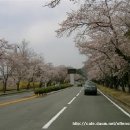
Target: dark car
x,y
90,88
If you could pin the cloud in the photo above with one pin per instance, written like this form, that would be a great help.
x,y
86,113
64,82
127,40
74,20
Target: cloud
x,y
40,32
28,19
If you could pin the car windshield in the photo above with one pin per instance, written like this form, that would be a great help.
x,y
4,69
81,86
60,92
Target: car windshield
x,y
90,83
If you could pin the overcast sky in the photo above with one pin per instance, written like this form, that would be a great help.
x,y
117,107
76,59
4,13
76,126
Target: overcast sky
x,y
27,19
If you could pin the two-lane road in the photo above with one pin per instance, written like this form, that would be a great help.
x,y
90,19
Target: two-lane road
x,y
60,110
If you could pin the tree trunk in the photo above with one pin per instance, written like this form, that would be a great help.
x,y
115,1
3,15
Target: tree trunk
x,y
18,84
33,85
40,84
115,80
122,84
123,88
28,85
4,86
129,79
128,89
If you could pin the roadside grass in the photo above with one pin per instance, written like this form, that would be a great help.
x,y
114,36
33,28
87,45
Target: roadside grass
x,y
15,91
123,97
23,84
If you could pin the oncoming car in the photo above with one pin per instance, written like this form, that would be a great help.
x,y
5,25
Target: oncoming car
x,y
90,88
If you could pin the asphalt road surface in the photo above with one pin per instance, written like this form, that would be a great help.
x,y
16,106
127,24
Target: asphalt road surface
x,y
68,109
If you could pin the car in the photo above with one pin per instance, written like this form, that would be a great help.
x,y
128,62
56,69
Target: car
x,y
78,84
90,88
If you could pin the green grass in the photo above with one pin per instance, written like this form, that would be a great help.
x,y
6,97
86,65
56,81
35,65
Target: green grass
x,y
117,94
15,91
23,84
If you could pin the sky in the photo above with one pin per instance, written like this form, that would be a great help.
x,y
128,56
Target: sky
x,y
28,19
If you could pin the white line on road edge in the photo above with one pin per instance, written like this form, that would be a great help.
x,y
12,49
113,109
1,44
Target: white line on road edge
x,y
126,113
53,119
71,100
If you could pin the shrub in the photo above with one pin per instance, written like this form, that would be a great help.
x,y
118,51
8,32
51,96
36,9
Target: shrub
x,y
41,91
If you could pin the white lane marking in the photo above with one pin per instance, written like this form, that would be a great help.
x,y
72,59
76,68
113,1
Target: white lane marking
x,y
126,113
71,100
77,95
81,90
53,119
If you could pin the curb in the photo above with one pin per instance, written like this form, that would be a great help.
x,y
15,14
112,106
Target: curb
x,y
5,94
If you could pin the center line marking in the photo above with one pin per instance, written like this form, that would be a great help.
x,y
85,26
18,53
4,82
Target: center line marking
x,y
16,101
77,95
53,119
71,100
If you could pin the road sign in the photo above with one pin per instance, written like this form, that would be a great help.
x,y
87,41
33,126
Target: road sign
x,y
71,71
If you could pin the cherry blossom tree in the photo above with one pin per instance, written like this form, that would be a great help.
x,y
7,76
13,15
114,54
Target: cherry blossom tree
x,y
20,71
102,35
5,62
20,63
54,3
62,73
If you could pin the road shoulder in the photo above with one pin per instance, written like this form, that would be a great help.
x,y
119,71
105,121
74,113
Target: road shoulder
x,y
122,103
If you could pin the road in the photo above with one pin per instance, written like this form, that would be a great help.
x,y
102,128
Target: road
x,y
58,111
